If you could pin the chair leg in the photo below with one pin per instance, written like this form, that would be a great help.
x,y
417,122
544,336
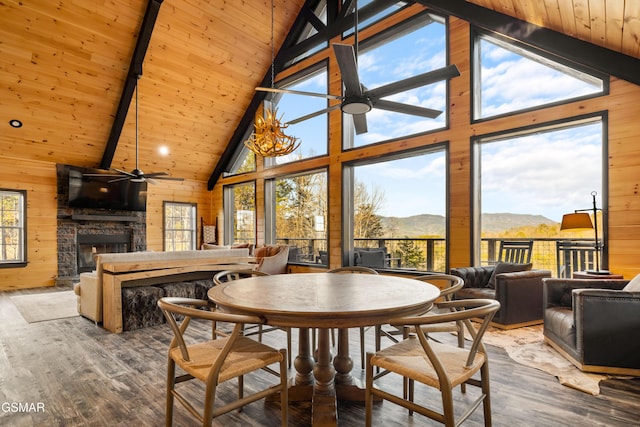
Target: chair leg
x,y
463,386
447,406
368,395
209,402
411,387
289,347
486,403
362,332
284,392
171,383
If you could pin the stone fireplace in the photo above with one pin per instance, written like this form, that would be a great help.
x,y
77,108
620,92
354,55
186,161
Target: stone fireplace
x,y
90,245
84,233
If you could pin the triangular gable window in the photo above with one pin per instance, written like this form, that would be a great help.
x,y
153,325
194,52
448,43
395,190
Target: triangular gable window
x,y
509,78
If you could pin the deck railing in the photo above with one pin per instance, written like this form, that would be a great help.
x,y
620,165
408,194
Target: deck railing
x,y
427,254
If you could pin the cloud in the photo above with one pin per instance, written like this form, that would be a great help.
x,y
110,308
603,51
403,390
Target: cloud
x,y
547,173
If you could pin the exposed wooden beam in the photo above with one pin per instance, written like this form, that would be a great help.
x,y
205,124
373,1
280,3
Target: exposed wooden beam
x,y
598,58
135,70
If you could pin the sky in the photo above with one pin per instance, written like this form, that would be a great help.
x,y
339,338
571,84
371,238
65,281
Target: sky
x,y
546,173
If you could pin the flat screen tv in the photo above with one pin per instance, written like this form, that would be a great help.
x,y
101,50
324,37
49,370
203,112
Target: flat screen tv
x,y
106,193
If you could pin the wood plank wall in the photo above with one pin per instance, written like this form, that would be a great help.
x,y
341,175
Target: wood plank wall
x,y
39,181
623,108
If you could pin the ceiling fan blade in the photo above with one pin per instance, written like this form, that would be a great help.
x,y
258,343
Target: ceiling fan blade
x,y
166,178
312,115
414,82
101,175
298,92
122,178
346,57
414,110
360,123
125,173
155,174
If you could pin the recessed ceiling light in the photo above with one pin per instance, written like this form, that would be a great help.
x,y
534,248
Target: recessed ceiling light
x,y
15,123
164,150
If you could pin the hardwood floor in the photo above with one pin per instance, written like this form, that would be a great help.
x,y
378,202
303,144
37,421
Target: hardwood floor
x,y
72,373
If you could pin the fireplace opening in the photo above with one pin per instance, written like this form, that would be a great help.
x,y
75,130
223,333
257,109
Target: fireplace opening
x,y
90,245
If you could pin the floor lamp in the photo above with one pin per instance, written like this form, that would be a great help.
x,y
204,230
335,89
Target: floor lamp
x,y
581,220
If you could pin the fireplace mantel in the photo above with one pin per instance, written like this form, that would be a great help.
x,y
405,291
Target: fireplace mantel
x,y
94,217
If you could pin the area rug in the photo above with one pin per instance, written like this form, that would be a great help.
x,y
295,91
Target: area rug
x,y
526,346
46,306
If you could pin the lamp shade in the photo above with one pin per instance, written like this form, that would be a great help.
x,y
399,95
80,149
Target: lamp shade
x,y
575,221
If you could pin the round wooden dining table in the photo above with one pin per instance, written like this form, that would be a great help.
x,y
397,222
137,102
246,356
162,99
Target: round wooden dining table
x,y
325,301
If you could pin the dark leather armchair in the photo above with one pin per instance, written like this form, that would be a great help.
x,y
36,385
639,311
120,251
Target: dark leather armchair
x,y
519,293
594,324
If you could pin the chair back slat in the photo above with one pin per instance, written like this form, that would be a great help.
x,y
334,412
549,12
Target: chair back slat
x,y
574,256
515,251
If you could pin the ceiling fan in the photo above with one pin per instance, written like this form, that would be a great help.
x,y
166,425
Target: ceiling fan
x,y
358,100
136,175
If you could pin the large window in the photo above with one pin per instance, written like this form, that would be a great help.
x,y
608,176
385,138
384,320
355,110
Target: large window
x,y
297,212
311,132
509,78
397,212
413,48
526,180
240,209
180,233
13,251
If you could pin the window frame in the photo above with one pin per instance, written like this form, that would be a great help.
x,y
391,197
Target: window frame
x,y
270,232
388,35
348,181
477,34
228,206
320,66
22,229
193,208
564,123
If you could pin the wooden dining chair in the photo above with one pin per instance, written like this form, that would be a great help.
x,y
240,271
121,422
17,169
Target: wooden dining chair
x,y
258,329
449,285
216,361
434,364
356,270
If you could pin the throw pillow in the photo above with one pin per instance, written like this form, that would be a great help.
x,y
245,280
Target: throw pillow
x,y
506,267
261,252
633,285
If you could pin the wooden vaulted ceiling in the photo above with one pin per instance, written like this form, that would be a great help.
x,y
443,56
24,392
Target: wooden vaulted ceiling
x,y
64,65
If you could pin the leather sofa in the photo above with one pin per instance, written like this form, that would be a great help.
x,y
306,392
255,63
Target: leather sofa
x,y
519,293
594,324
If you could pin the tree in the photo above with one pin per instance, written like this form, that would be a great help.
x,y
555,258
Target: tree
x,y
366,222
411,255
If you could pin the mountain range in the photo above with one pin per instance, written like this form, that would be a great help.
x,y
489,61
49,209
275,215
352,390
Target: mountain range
x,y
434,225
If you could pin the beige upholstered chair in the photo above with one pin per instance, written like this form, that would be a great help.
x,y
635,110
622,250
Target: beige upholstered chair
x,y
216,361
356,270
272,259
434,364
228,275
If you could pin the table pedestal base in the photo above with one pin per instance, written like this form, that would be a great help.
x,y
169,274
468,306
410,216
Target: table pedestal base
x,y
324,383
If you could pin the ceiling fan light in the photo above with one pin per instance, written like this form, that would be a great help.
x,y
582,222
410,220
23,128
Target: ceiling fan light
x,y
356,105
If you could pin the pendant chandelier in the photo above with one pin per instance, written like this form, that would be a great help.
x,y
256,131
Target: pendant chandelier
x,y
268,138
